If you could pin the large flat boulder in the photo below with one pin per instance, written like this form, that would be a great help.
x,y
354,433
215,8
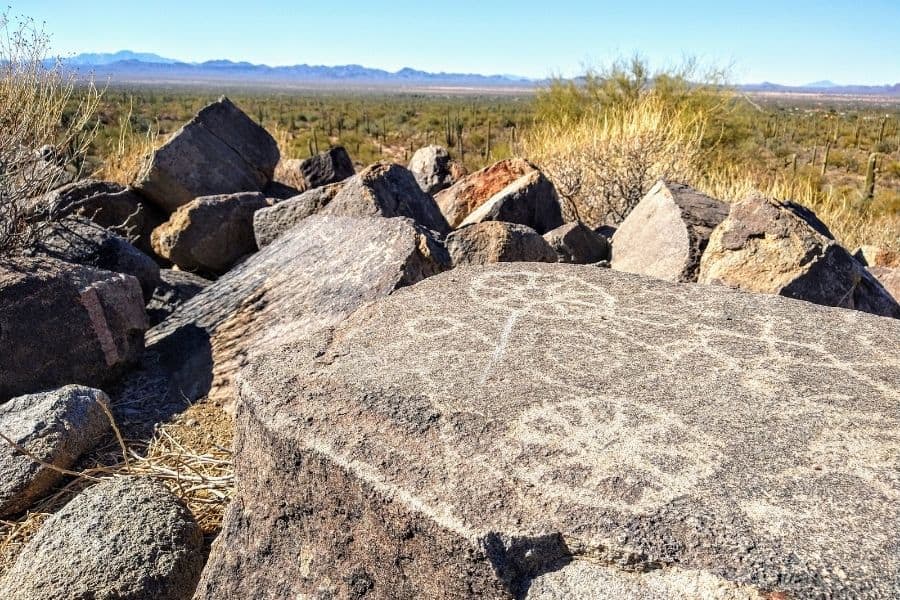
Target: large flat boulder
x,y
314,276
496,241
332,166
220,151
781,248
62,323
666,233
494,428
123,539
530,200
271,222
210,234
54,427
387,190
470,192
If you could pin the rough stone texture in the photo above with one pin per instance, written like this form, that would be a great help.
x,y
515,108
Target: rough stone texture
x,y
62,323
82,242
889,278
109,205
875,256
432,168
269,223
530,200
666,233
496,241
490,425
210,234
782,248
55,427
122,539
175,288
311,277
280,191
470,192
332,166
220,151
577,243
387,190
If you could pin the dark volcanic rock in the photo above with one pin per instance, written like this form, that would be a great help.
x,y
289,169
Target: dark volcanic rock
x,y
82,242
122,539
311,277
387,190
782,248
220,151
432,168
62,323
470,192
530,200
496,241
210,234
112,206
332,166
55,427
175,288
549,425
577,243
666,233
271,222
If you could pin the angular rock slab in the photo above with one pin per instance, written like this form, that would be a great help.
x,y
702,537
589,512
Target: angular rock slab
x,y
530,200
666,233
271,222
210,234
578,244
782,248
312,277
432,168
220,151
496,241
56,427
467,436
470,192
123,539
62,323
387,190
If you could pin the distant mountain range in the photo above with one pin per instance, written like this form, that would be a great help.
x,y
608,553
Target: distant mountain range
x,y
132,67
140,67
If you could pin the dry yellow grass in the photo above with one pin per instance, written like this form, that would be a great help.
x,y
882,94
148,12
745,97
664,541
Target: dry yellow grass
x,y
129,160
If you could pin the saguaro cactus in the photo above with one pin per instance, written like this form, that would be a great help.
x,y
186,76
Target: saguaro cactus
x,y
869,192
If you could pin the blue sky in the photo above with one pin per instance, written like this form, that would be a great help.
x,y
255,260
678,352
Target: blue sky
x,y
790,41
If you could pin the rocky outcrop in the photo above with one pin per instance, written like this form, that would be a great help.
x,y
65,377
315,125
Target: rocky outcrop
x,y
82,242
876,256
666,233
470,192
432,168
122,539
387,190
220,151
269,223
530,200
889,278
782,248
332,166
175,288
54,427
210,234
314,276
109,205
466,438
578,244
496,241
62,323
